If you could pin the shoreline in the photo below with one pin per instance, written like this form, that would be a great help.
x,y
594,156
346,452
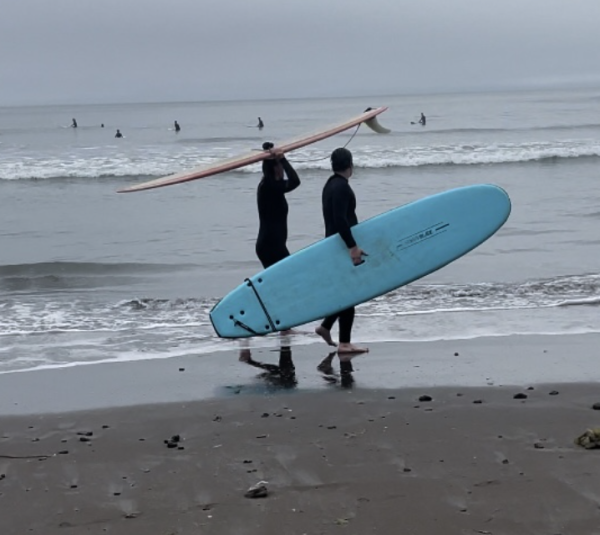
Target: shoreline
x,y
519,360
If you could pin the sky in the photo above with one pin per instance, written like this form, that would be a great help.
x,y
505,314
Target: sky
x,y
84,51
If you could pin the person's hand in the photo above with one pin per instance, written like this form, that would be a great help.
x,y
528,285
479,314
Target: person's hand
x,y
276,153
356,254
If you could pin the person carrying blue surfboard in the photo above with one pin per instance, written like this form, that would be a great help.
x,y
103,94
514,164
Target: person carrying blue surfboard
x,y
339,214
273,207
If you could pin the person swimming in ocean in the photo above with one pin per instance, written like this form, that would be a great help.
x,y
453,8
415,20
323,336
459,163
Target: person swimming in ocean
x,y
176,126
118,134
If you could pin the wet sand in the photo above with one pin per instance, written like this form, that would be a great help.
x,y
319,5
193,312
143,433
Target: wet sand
x,y
337,459
513,360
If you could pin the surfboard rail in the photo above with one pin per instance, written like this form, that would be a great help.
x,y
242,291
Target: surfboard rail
x,y
369,117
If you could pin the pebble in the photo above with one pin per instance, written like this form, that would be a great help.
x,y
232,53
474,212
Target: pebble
x,y
257,491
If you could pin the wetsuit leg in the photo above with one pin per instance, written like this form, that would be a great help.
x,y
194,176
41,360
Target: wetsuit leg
x,y
328,322
269,254
346,321
346,318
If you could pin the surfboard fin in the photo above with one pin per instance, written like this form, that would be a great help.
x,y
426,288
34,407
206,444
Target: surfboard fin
x,y
374,125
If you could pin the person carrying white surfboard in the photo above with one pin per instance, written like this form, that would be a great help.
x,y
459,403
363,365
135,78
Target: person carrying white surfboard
x,y
273,207
339,214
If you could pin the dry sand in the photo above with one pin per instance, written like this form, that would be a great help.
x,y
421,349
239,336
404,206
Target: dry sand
x,y
339,460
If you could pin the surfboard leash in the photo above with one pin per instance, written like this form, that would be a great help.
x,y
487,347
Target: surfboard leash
x,y
325,157
238,323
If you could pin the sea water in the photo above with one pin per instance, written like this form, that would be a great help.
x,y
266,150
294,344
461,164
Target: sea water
x,y
90,275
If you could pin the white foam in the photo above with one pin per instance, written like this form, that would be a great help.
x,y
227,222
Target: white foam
x,y
162,161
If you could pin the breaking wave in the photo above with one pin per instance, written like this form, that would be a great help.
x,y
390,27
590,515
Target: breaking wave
x,y
156,163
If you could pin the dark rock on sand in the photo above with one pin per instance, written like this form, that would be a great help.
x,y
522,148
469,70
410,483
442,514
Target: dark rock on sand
x,y
257,491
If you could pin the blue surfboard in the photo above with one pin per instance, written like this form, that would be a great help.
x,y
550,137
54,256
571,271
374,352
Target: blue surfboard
x,y
403,245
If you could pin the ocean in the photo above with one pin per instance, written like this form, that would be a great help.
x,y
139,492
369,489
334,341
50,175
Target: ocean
x,y
88,275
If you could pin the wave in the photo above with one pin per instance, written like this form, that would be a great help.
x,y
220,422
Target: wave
x,y
548,128
256,140
585,301
65,330
161,162
55,276
544,293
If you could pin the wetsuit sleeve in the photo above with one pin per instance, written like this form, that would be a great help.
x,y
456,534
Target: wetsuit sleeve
x,y
341,205
293,180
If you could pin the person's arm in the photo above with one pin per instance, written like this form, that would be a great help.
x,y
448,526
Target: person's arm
x,y
293,180
341,202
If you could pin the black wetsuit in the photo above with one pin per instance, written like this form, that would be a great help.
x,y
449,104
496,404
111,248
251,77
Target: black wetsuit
x,y
272,214
339,214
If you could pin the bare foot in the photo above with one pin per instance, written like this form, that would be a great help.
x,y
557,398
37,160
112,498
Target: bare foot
x,y
351,348
326,335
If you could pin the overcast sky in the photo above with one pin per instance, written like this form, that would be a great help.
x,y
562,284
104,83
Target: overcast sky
x,y
85,51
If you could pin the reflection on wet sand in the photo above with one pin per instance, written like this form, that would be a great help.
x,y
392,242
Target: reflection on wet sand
x,y
344,377
283,374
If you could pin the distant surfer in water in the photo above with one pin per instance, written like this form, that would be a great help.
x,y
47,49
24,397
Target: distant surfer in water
x,y
422,120
118,134
260,124
273,207
176,126
339,214
74,123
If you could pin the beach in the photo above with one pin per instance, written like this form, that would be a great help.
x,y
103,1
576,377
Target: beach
x,y
122,412
477,446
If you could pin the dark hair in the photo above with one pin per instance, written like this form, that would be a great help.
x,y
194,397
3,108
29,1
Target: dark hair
x,y
268,165
341,159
